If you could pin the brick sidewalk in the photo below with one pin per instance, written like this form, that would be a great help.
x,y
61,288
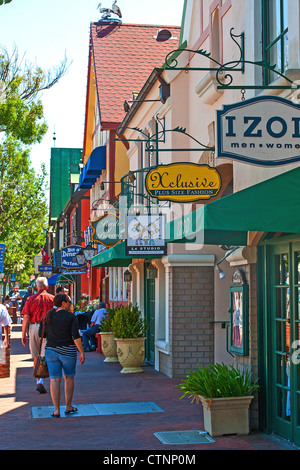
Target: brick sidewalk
x,y
97,382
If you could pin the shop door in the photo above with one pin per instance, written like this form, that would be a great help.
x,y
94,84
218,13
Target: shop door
x,y
284,339
150,317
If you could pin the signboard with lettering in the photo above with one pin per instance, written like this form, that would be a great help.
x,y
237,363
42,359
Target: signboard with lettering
x,y
105,230
264,131
145,235
45,268
183,182
2,254
69,259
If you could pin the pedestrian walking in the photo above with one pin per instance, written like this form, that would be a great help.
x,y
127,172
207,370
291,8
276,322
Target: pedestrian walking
x,y
5,321
33,312
88,336
28,294
63,341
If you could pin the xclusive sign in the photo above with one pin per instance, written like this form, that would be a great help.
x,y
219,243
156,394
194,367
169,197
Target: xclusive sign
x,y
183,182
263,130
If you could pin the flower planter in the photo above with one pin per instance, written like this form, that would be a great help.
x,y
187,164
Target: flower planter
x,y
131,354
226,415
109,347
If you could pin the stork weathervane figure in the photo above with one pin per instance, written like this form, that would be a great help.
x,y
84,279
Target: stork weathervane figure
x,y
107,12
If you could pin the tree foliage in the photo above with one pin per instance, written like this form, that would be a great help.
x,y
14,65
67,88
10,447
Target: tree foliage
x,y
21,110
23,203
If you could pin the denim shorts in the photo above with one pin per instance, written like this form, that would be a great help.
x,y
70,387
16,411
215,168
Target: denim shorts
x,y
57,363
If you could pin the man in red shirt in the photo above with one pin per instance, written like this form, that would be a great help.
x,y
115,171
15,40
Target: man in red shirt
x,y
33,312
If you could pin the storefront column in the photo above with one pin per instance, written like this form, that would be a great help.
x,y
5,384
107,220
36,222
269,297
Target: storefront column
x,y
190,312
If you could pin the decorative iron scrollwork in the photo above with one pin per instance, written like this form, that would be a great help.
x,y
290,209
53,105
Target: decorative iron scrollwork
x,y
224,72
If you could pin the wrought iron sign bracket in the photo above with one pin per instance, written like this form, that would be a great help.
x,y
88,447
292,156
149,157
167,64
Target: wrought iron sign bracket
x,y
153,140
223,71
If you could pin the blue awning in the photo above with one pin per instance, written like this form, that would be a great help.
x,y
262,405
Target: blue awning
x,y
52,280
93,168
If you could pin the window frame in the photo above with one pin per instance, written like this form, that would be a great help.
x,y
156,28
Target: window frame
x,y
268,44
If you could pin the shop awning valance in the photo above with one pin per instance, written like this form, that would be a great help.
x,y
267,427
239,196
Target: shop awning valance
x,y
93,168
270,206
115,257
112,257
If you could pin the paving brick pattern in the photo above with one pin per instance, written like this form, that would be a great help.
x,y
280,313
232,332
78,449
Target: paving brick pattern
x,y
99,382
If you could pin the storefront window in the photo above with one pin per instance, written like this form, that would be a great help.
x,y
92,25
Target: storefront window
x,y
275,37
117,286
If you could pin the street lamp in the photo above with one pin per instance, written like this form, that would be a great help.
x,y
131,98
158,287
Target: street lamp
x,y
83,255
88,252
80,257
127,276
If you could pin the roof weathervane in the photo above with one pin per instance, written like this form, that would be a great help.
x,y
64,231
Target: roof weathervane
x,y
108,12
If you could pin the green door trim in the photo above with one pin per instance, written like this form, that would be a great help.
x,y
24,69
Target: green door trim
x,y
266,251
149,290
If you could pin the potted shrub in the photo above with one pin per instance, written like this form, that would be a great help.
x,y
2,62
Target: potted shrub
x,y
225,394
130,328
109,345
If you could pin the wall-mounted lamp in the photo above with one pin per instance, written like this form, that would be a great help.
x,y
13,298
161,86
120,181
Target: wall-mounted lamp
x,y
80,258
88,252
85,254
221,272
107,182
131,176
151,272
228,252
127,276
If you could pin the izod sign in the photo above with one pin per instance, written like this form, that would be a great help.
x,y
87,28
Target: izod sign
x,y
263,130
183,182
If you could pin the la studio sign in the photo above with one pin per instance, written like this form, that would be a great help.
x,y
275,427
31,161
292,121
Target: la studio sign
x,y
263,130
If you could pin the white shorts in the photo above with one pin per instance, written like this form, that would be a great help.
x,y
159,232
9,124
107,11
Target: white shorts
x,y
34,340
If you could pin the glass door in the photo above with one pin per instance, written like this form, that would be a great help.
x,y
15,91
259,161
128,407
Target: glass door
x,y
150,316
284,332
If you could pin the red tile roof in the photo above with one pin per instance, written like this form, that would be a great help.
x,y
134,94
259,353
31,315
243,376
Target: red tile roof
x,y
124,56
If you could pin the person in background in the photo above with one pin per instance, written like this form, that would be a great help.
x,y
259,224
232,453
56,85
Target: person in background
x,y
15,298
29,294
5,321
88,336
61,290
62,342
7,301
33,312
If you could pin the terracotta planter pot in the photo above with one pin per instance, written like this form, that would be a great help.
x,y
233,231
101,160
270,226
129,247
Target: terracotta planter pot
x,y
226,415
109,347
131,354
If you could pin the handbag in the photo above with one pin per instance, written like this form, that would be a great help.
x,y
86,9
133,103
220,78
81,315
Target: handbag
x,y
40,370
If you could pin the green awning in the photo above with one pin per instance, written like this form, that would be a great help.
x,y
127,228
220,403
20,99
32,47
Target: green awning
x,y
112,257
115,257
270,206
66,279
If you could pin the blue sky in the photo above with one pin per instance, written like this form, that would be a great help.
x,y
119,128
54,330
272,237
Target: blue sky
x,y
45,30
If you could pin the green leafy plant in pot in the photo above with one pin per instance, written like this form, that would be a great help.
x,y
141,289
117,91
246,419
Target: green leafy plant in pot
x,y
130,329
225,393
108,343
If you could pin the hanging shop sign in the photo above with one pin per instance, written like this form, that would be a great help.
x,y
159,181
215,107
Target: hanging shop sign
x,y
145,235
183,182
105,230
263,130
2,254
69,258
47,268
